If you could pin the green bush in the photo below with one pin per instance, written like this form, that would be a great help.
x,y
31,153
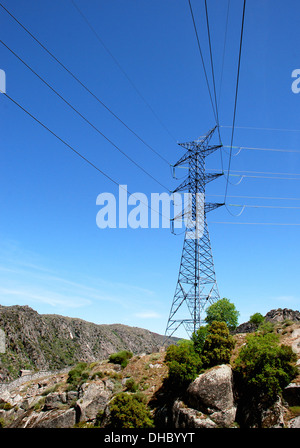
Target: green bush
x,y
121,358
131,385
257,319
223,311
266,327
129,411
218,345
184,364
78,374
264,367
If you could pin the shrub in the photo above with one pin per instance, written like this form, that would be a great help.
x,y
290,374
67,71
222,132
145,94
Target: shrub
x,y
218,345
78,374
121,357
265,367
129,411
184,364
223,311
98,374
257,319
266,327
131,385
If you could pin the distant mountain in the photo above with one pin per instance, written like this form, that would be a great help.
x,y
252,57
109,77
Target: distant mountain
x,y
51,342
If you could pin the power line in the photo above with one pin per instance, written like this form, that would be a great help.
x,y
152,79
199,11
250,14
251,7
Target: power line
x,y
213,78
212,63
266,172
120,67
83,85
77,152
242,176
84,118
256,223
257,197
223,56
253,128
240,148
236,94
201,56
262,206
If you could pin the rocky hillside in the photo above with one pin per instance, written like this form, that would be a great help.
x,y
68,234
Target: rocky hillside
x,y
52,342
51,400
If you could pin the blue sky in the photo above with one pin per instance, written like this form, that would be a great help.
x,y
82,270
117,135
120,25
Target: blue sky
x,y
53,257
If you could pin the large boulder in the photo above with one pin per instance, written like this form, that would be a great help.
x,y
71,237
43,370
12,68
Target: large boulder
x,y
212,394
56,419
94,398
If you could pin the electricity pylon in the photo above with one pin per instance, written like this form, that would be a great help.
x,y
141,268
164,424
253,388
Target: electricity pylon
x,y
196,286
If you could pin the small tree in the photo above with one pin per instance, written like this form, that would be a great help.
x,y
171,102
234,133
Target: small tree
x,y
218,345
223,311
129,411
257,319
264,367
184,364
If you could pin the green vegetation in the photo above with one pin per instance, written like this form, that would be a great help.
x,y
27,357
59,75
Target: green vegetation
x,y
218,345
257,319
131,385
265,367
184,364
210,346
199,337
121,358
223,311
129,411
79,374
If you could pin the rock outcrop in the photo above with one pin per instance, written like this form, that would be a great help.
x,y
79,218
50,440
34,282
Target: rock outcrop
x,y
281,315
209,398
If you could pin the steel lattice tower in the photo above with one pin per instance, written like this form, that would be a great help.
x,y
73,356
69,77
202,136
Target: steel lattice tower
x,y
196,286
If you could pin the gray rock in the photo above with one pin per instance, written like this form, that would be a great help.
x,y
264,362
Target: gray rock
x,y
94,398
295,422
273,417
212,394
54,400
280,315
184,417
56,418
71,396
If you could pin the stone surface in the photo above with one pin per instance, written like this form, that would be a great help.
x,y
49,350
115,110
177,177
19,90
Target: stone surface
x,y
280,315
94,398
54,400
184,417
295,422
212,394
